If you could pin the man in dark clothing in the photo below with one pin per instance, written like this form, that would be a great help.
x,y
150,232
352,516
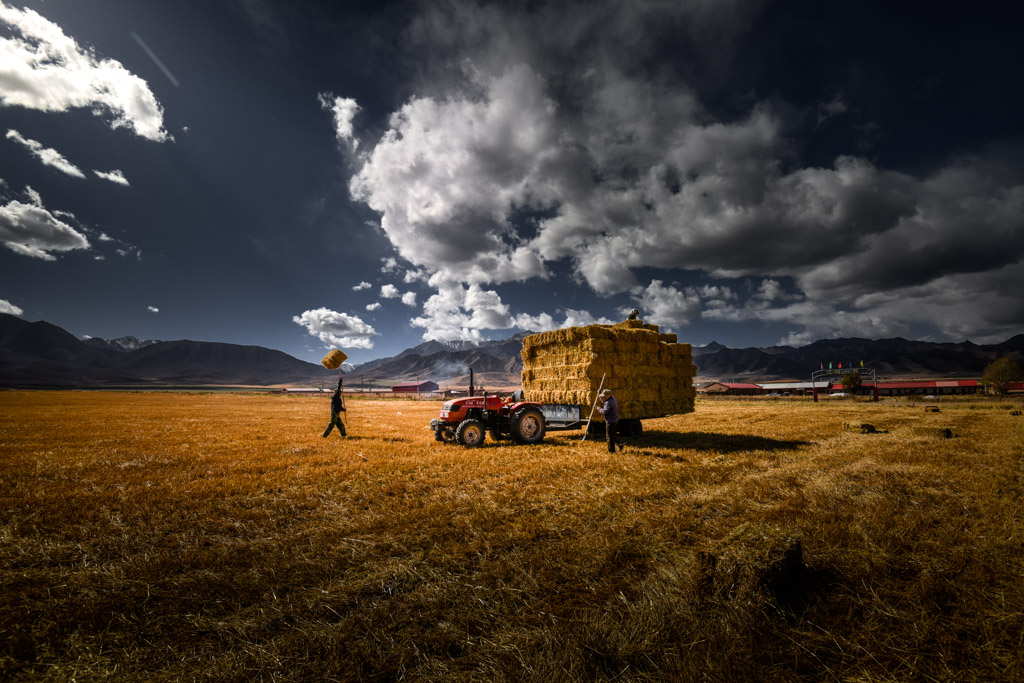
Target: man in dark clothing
x,y
337,408
610,410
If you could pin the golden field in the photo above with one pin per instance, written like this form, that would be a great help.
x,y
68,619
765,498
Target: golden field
x,y
175,536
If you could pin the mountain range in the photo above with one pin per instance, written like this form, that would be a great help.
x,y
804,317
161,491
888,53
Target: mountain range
x,y
38,354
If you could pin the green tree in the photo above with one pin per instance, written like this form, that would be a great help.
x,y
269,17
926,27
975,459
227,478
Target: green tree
x,y
1001,373
851,382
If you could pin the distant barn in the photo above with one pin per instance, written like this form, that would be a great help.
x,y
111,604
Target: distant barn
x,y
415,387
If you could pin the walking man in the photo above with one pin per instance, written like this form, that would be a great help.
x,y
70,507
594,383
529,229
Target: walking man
x,y
337,408
610,409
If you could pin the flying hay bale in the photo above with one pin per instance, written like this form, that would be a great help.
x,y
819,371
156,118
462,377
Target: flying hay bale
x,y
333,360
650,373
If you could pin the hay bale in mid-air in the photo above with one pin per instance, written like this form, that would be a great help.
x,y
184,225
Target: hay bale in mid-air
x,y
650,373
333,360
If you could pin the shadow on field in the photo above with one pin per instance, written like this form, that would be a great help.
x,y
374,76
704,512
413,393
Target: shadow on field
x,y
721,443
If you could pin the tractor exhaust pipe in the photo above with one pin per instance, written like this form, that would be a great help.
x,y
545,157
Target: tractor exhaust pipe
x,y
471,382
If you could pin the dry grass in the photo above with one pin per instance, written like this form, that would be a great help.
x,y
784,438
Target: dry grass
x,y
176,536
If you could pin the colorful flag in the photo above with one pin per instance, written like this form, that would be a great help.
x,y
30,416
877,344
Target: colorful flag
x,y
822,366
840,364
862,363
830,365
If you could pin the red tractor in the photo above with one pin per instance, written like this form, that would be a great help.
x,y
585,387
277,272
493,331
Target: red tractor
x,y
467,420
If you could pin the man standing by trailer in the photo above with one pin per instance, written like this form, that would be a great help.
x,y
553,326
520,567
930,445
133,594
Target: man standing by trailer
x,y
610,409
337,408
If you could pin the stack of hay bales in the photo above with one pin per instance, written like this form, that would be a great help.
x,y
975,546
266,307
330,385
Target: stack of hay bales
x,y
650,374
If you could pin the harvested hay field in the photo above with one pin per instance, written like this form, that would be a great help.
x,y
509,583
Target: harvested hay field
x,y
153,536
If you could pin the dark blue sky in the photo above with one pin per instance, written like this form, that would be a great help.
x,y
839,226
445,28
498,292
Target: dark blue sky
x,y
305,175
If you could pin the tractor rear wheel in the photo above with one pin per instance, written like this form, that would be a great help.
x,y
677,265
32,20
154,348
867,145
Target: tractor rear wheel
x,y
528,426
470,433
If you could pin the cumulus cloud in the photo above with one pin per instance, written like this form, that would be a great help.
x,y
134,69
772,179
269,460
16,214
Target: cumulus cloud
x,y
32,230
115,176
343,110
152,309
9,308
389,292
337,329
361,286
409,298
571,317
546,142
374,306
47,155
458,311
42,68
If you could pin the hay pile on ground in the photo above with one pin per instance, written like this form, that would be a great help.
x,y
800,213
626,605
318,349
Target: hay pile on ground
x,y
333,360
650,373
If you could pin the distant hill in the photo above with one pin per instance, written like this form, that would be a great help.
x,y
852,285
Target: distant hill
x,y
895,357
498,363
38,354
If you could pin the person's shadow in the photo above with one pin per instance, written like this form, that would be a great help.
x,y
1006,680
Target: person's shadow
x,y
710,441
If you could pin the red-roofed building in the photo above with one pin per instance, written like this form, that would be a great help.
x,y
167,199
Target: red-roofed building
x,y
921,387
425,387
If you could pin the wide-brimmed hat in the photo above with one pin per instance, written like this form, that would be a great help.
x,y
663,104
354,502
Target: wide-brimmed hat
x,y
606,392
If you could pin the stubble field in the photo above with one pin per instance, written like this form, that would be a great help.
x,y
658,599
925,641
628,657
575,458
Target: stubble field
x,y
164,536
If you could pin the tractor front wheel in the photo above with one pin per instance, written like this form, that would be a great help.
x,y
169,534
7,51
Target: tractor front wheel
x,y
470,433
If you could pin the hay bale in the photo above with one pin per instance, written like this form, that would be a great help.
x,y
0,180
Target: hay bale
x,y
649,372
754,559
333,360
860,427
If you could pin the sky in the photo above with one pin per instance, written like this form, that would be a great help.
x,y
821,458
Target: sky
x,y
310,175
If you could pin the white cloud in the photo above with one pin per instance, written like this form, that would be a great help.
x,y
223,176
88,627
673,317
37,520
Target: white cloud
x,y
571,318
668,306
337,329
390,265
373,307
9,308
115,176
42,68
461,312
389,292
47,155
409,298
834,107
152,309
344,111
31,230
361,286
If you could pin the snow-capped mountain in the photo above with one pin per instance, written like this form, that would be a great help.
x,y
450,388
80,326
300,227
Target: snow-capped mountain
x,y
121,344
